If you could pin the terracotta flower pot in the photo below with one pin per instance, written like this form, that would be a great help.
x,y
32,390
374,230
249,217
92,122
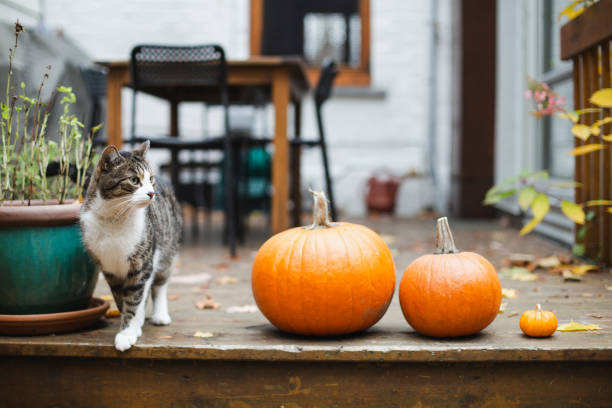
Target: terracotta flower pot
x,y
44,267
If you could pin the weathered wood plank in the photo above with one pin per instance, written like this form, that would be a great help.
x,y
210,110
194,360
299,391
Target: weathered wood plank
x,y
590,28
71,382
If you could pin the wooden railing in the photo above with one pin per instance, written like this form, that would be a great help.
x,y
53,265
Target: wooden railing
x,y
586,41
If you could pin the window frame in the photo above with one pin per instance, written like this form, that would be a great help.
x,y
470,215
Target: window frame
x,y
347,76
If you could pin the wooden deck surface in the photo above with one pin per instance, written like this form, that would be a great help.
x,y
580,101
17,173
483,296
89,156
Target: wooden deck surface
x,y
246,339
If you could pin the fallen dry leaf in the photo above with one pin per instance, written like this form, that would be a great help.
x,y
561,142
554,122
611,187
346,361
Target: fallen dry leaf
x,y
509,293
570,276
513,313
520,259
112,313
163,337
223,266
203,335
226,280
573,326
173,297
502,307
242,309
206,303
608,287
595,315
518,273
583,269
106,297
587,295
548,262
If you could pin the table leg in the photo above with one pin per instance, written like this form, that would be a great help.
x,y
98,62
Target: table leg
x,y
114,83
296,156
174,132
280,163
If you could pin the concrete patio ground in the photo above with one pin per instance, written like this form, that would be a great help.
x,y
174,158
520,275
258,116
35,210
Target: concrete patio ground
x,y
242,361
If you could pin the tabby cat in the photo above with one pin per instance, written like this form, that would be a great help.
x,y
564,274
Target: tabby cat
x,y
131,227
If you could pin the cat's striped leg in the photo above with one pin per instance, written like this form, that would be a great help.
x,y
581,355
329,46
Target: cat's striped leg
x,y
159,294
116,286
135,294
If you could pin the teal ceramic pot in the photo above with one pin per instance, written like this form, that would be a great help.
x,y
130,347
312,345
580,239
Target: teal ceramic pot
x,y
44,267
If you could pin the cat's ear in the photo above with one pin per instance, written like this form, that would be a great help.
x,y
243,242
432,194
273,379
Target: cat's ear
x,y
110,158
142,149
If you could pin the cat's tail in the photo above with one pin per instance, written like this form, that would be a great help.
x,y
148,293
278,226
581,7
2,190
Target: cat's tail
x,y
53,169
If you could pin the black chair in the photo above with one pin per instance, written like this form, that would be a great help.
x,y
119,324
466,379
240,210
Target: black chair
x,y
329,71
174,73
94,78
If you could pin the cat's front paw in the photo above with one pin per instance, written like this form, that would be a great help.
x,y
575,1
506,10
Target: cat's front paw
x,y
161,319
125,339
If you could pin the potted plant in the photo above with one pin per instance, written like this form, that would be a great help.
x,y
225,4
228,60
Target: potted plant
x,y
44,267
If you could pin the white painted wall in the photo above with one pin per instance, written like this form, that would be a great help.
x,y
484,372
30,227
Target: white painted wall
x,y
364,133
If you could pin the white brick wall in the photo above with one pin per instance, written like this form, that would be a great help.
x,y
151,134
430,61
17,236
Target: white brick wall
x,y
364,134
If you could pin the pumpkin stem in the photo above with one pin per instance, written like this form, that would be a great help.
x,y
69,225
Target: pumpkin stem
x,y
538,308
320,211
444,238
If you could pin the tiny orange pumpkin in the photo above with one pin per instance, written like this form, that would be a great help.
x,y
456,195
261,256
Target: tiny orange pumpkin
x,y
449,293
538,323
324,279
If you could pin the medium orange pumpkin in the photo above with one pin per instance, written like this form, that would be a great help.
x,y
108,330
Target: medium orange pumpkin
x,y
449,293
538,323
324,279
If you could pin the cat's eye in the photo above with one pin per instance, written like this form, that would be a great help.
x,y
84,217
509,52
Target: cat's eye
x,y
134,180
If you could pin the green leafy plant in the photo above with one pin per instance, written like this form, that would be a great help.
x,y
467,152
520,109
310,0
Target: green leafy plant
x,y
534,190
27,150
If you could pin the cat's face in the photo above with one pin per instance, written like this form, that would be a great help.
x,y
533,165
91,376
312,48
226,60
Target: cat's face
x,y
126,177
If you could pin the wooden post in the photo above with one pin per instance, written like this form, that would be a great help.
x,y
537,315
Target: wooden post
x,y
296,162
114,83
606,157
473,149
280,164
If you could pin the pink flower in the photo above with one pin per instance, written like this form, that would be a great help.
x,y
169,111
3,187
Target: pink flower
x,y
551,101
545,85
527,94
550,109
539,96
561,101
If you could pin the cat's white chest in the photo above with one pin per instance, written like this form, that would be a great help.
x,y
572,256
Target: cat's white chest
x,y
113,243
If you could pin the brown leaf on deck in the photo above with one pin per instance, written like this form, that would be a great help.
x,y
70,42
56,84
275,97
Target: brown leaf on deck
x,y
164,337
595,315
112,313
223,266
513,313
206,303
173,297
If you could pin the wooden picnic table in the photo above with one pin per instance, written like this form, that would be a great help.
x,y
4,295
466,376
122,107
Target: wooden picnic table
x,y
280,80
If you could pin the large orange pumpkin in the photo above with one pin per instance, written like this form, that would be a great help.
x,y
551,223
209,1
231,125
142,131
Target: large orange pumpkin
x,y
324,279
449,293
